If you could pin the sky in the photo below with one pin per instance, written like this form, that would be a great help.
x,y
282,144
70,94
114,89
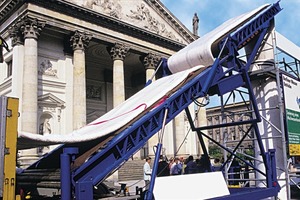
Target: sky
x,y
213,13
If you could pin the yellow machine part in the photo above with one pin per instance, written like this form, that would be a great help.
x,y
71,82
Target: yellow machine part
x,y
10,157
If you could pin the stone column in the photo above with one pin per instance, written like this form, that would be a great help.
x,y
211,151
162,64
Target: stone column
x,y
179,135
202,121
150,61
17,64
79,42
30,29
118,53
268,96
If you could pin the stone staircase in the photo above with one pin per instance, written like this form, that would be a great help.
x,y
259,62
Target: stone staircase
x,y
132,170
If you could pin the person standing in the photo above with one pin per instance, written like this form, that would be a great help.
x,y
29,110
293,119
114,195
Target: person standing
x,y
182,164
176,167
217,165
191,166
147,173
234,172
163,167
171,161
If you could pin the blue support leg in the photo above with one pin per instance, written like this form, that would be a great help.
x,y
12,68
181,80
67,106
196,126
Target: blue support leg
x,y
149,193
66,158
273,169
84,190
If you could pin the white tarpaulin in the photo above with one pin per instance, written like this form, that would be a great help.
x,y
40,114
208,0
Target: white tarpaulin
x,y
287,46
190,186
201,51
138,104
181,64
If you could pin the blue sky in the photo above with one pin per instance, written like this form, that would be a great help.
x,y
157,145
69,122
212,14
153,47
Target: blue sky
x,y
212,13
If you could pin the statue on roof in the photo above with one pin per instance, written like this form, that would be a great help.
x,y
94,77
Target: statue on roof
x,y
195,24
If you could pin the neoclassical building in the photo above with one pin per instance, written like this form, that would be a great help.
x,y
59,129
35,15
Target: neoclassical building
x,y
71,61
232,135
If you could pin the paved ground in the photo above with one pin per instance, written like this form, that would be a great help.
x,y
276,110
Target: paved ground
x,y
132,185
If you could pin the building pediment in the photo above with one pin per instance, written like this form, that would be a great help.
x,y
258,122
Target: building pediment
x,y
50,100
150,15
148,20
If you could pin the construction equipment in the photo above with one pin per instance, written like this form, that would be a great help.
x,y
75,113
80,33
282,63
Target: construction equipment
x,y
79,169
8,142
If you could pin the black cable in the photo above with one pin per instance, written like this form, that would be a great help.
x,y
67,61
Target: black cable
x,y
202,104
4,44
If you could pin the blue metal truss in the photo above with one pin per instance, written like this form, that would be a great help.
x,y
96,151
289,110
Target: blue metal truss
x,y
129,141
226,74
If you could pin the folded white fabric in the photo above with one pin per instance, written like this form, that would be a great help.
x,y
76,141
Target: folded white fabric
x,y
203,51
190,59
120,116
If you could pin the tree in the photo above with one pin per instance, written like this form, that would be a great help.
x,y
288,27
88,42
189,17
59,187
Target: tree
x,y
215,151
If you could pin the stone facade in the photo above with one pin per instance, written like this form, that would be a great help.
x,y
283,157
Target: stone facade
x,y
230,136
72,61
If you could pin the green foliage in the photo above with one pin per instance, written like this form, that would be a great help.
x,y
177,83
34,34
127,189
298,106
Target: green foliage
x,y
215,151
249,152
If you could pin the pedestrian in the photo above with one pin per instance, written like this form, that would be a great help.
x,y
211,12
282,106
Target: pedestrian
x,y
200,165
217,165
191,166
234,172
147,173
181,163
163,167
171,161
176,168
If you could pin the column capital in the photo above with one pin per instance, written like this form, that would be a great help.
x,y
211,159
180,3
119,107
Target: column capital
x,y
118,51
150,60
80,40
16,34
31,27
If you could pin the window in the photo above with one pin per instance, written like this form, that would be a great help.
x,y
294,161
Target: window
x,y
9,68
218,139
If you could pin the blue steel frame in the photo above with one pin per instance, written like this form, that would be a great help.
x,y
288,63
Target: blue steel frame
x,y
129,141
213,79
